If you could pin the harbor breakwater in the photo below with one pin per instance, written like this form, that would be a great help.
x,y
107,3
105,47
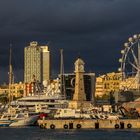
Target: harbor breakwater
x,y
89,124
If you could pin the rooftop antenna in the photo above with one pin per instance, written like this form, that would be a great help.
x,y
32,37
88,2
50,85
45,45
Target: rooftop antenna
x,y
62,78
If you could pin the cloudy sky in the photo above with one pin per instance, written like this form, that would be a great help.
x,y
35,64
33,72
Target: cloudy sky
x,y
94,29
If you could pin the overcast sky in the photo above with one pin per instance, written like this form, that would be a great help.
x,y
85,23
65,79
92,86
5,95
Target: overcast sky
x,y
94,29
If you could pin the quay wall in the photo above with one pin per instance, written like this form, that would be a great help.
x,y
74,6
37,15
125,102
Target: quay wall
x,y
89,124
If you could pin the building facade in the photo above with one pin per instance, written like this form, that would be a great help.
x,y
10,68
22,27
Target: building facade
x,y
16,89
107,83
36,63
130,83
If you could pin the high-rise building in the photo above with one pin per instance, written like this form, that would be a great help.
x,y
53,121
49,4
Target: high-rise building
x,y
36,63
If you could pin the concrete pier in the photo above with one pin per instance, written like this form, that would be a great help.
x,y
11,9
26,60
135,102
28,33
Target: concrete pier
x,y
89,124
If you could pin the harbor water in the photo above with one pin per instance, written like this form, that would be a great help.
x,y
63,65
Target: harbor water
x,y
35,133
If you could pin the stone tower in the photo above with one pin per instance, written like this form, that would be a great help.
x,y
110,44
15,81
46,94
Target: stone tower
x,y
79,97
79,94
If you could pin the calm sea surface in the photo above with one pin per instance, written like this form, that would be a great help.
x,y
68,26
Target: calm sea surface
x,y
35,133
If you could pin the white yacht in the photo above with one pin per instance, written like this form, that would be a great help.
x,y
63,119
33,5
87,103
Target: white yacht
x,y
50,98
18,119
68,113
71,113
40,103
24,119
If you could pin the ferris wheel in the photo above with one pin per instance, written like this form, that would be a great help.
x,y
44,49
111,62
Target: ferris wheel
x,y
130,60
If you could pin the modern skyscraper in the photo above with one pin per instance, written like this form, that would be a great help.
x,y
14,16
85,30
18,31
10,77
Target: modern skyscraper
x,y
36,63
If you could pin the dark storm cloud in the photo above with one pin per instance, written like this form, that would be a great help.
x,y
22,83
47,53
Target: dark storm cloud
x,y
66,16
95,29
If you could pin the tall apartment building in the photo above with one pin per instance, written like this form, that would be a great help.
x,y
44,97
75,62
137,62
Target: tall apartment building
x,y
36,63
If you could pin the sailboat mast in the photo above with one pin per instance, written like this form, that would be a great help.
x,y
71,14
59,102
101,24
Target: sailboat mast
x,y
10,74
62,79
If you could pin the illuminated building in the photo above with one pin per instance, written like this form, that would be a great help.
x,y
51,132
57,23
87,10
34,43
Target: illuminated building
x,y
36,63
129,84
16,89
108,83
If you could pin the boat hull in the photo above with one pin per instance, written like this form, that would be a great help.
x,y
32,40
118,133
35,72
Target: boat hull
x,y
25,122
5,123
